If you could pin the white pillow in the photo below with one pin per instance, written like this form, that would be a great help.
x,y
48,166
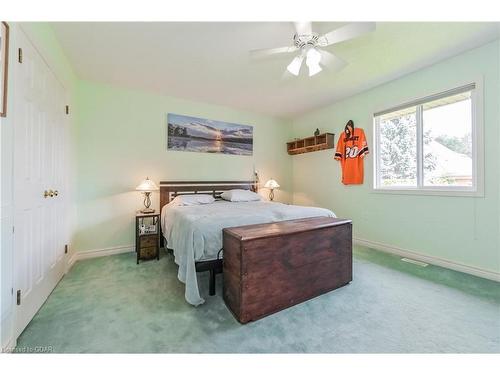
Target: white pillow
x,y
192,199
239,195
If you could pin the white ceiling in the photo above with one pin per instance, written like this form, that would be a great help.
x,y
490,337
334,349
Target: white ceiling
x,y
209,61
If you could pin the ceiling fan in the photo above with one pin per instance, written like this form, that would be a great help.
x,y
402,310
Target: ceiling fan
x,y
309,44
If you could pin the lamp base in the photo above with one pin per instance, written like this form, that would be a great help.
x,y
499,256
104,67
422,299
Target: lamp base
x,y
147,203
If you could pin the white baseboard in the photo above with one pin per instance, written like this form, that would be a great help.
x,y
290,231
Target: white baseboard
x,y
87,254
429,259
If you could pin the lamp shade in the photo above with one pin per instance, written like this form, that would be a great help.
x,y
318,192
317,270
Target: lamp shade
x,y
314,69
294,66
312,61
272,184
147,185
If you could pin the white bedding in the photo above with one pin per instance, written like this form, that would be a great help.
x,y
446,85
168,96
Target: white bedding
x,y
195,232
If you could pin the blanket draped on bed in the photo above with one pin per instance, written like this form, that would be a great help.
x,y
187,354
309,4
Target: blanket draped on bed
x,y
195,232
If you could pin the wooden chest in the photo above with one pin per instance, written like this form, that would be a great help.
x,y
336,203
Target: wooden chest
x,y
269,267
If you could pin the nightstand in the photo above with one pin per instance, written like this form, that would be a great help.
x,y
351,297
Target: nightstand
x,y
147,236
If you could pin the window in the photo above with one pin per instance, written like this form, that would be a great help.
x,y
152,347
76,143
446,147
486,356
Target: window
x,y
428,145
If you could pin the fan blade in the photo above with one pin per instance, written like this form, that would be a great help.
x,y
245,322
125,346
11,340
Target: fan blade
x,y
331,61
266,52
353,30
303,28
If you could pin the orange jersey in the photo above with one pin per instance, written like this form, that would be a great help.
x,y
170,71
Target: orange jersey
x,y
351,151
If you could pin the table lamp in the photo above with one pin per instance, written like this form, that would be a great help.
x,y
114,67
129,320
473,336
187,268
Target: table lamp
x,y
271,184
147,186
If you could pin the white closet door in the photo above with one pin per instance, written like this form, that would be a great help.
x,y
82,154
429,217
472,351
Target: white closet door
x,y
39,166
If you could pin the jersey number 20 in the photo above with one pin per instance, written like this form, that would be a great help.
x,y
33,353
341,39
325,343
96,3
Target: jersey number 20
x,y
351,152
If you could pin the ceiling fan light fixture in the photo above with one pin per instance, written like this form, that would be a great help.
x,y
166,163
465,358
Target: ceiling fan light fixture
x,y
314,69
294,66
310,46
313,58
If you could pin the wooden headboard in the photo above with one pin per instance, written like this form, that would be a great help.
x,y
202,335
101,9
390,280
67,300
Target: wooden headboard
x,y
170,189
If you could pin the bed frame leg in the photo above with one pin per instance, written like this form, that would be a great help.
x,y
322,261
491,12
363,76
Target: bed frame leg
x,y
211,285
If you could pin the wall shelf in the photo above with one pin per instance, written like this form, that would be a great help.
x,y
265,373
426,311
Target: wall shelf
x,y
310,144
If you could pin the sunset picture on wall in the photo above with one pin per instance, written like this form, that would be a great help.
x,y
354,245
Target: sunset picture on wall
x,y
185,133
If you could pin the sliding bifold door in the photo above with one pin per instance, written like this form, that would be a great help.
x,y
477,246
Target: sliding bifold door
x,y
40,181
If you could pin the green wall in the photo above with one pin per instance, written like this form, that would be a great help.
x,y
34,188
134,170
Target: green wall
x,y
119,138
43,37
122,139
458,229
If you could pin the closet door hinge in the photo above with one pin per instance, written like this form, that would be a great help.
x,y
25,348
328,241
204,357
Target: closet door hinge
x,y
67,109
65,249
20,55
18,297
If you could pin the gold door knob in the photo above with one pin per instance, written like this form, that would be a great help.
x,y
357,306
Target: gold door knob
x,y
45,194
56,192
51,193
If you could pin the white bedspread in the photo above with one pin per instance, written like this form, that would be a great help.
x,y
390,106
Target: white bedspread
x,y
195,232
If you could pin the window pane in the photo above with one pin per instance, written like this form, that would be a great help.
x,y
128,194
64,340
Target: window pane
x,y
398,149
447,130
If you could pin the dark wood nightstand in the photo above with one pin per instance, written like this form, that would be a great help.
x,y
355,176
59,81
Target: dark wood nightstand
x,y
147,236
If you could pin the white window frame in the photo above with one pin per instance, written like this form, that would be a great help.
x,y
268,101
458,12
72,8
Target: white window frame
x,y
477,188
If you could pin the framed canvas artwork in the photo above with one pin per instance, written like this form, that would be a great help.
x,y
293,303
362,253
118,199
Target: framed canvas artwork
x,y
4,61
185,133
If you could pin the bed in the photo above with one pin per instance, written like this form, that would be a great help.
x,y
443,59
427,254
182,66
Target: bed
x,y
194,233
